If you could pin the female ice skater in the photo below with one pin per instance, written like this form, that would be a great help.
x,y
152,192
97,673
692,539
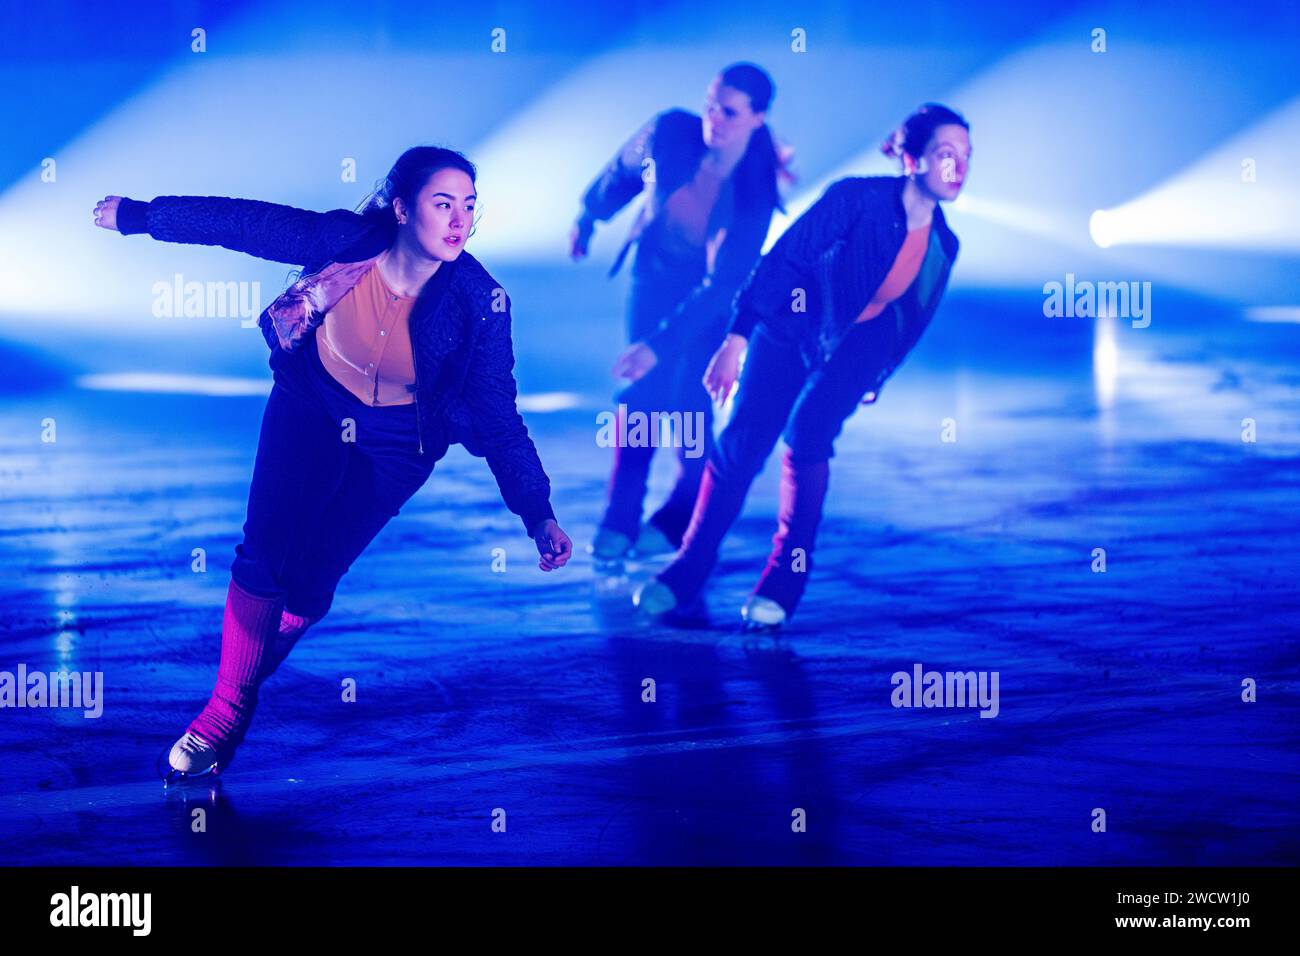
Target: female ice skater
x,y
699,235
829,313
394,344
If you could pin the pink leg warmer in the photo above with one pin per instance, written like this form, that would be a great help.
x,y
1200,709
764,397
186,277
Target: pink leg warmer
x,y
292,627
803,493
248,632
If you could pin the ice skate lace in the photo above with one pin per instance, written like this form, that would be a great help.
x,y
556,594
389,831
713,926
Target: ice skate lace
x,y
192,744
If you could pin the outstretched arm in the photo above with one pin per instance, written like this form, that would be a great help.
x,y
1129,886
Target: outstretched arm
x,y
266,230
614,187
500,436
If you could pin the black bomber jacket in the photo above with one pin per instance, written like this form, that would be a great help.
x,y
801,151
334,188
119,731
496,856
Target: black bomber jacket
x,y
836,254
465,388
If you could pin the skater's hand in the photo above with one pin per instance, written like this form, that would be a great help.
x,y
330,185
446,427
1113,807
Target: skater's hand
x,y
635,362
106,212
579,237
724,368
553,545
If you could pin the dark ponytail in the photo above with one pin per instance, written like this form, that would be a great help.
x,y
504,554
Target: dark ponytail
x,y
757,173
408,176
915,133
762,164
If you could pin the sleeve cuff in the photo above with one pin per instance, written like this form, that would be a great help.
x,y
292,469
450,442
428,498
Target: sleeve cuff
x,y
742,323
535,515
132,217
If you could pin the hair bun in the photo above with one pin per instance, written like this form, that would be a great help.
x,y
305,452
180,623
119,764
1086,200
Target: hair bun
x,y
913,136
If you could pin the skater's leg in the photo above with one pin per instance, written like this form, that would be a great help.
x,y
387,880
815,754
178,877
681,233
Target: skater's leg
x,y
247,633
301,458
292,628
803,493
769,385
694,444
659,284
380,478
627,481
833,394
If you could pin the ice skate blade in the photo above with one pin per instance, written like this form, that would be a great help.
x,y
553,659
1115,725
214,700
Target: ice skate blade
x,y
609,567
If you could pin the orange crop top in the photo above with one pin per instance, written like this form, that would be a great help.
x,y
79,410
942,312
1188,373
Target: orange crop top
x,y
901,274
365,342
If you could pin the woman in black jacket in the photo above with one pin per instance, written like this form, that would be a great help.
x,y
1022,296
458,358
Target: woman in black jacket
x,y
332,469
827,317
713,189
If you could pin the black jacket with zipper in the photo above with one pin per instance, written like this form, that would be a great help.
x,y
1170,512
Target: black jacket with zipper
x,y
464,355
832,260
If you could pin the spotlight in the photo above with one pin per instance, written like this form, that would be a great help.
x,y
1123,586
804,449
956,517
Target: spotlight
x,y
1101,228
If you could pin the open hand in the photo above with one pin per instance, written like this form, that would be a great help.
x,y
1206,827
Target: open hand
x,y
724,368
635,362
579,237
553,545
106,212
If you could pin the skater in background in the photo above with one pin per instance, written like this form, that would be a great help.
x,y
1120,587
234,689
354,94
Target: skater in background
x,y
394,344
873,255
714,185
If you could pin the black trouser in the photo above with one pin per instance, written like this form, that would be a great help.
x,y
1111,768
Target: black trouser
x,y
779,396
321,491
674,385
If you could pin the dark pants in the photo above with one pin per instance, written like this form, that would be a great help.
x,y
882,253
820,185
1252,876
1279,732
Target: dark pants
x,y
779,396
673,386
319,495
